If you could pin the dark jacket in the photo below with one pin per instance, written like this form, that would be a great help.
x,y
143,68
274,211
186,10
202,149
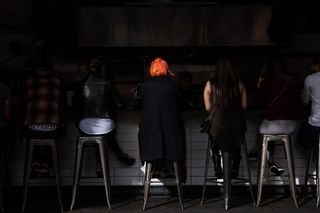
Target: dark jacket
x,y
161,132
95,99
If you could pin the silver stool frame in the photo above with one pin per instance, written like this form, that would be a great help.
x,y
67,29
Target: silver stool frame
x,y
311,150
290,164
27,171
227,184
100,140
147,182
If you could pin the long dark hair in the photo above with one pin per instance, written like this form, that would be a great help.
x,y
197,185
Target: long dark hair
x,y
226,82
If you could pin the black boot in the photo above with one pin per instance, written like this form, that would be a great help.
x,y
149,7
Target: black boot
x,y
216,158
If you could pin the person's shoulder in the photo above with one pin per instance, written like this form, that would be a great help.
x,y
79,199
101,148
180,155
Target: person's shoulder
x,y
314,77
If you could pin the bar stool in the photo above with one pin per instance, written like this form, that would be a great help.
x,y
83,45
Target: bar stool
x,y
83,140
263,155
2,177
226,170
27,171
311,150
147,182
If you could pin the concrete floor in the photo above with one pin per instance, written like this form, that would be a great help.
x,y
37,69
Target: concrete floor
x,y
128,199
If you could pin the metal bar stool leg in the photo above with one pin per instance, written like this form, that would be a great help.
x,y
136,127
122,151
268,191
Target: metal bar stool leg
x,y
106,174
1,198
318,175
2,168
147,184
306,175
205,176
262,161
77,173
55,159
106,157
27,173
292,181
177,171
246,162
226,177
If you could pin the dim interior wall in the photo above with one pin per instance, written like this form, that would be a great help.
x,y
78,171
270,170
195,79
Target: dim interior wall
x,y
16,13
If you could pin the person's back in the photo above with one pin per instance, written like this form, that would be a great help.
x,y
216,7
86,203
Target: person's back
x,y
42,115
312,92
161,123
98,98
43,99
310,127
228,123
283,107
225,94
98,104
279,94
161,132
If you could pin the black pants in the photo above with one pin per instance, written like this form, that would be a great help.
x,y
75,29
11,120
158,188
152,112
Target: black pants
x,y
308,135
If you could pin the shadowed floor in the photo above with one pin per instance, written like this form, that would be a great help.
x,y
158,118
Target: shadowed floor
x,y
129,199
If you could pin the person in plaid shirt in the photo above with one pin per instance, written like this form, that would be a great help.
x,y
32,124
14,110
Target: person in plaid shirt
x,y
43,114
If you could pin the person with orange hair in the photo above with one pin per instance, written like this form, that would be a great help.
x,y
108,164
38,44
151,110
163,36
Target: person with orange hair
x,y
161,133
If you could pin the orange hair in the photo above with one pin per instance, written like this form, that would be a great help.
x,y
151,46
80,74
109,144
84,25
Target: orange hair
x,y
159,67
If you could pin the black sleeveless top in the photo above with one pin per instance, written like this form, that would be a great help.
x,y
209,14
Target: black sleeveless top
x,y
228,124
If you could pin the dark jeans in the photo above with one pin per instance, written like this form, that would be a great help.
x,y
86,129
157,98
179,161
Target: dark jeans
x,y
308,134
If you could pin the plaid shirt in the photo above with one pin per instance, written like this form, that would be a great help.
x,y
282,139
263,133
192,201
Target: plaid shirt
x,y
43,101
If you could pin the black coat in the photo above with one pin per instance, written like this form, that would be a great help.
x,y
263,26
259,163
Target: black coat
x,y
161,132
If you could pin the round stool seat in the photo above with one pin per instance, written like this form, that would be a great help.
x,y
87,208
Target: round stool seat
x,y
96,126
277,127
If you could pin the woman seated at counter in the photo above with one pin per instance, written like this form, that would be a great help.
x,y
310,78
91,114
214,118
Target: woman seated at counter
x,y
280,95
161,132
226,94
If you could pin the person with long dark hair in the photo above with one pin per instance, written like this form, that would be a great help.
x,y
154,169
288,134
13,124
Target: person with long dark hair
x,y
226,94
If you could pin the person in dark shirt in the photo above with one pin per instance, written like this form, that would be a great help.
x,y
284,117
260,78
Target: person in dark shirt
x,y
279,93
96,103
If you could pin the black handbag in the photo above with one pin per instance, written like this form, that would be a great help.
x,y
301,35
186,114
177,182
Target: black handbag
x,y
206,124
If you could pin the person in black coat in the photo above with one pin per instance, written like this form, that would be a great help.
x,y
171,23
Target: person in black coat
x,y
161,133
